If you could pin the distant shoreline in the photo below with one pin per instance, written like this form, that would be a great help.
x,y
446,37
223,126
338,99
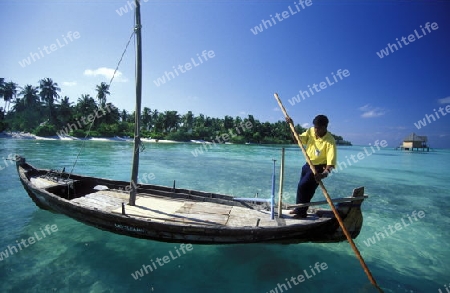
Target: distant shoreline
x,y
27,135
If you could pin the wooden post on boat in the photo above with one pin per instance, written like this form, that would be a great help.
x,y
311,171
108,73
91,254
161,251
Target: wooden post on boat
x,y
280,192
327,196
137,113
272,198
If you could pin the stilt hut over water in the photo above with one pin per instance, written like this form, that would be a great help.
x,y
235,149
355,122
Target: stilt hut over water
x,y
414,141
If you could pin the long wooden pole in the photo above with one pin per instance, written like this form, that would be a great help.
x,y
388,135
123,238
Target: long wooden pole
x,y
280,192
272,198
327,196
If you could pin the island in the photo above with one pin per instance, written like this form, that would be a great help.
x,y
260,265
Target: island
x,y
40,110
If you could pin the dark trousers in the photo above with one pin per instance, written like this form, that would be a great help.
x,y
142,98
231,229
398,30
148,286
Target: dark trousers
x,y
307,187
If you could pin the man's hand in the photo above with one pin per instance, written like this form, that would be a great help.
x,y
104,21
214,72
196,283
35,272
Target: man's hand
x,y
320,176
324,174
289,120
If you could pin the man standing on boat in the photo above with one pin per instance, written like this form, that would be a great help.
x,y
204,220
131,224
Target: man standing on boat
x,y
321,149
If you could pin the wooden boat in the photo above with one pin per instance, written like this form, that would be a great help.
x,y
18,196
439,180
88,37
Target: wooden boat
x,y
177,215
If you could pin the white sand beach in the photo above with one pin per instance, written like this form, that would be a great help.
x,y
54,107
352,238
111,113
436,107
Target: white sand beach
x,y
27,135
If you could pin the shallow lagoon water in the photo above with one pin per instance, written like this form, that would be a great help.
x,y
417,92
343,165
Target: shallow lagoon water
x,y
79,258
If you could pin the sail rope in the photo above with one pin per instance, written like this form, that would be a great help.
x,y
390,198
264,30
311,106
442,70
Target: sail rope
x,y
95,116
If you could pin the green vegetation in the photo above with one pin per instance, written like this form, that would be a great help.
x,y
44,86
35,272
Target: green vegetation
x,y
41,111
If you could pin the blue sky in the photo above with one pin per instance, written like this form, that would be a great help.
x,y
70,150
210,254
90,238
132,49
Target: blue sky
x,y
381,98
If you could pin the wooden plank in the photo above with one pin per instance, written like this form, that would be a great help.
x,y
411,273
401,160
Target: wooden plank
x,y
116,193
209,208
104,198
195,213
165,205
186,207
200,219
241,217
150,207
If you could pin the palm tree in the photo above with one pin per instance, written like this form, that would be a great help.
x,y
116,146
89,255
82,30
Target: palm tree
x,y
147,118
30,96
124,115
102,92
27,110
19,105
159,122
171,120
228,122
188,121
49,94
154,119
199,121
64,111
113,114
155,115
9,92
86,106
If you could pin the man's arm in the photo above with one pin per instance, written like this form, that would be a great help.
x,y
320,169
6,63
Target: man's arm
x,y
302,136
331,161
328,169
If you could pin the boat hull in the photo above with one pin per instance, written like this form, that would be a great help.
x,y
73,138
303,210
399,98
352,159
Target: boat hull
x,y
323,229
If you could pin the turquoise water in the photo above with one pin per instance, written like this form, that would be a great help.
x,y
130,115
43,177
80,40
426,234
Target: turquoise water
x,y
79,258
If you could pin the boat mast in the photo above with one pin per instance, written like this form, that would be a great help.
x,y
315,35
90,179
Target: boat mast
x,y
137,113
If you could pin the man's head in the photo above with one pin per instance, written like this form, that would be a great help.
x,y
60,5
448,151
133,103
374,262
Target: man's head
x,y
320,123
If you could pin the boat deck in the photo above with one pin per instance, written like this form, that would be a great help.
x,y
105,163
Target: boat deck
x,y
184,211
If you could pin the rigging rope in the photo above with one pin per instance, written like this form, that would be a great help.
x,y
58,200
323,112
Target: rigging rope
x,y
95,116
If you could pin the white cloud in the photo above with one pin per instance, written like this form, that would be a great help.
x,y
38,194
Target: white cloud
x,y
371,112
107,73
444,100
69,83
305,125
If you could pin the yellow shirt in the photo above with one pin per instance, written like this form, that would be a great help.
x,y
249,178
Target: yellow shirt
x,y
320,150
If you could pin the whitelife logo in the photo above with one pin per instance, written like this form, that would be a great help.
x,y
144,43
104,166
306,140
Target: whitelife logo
x,y
49,49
